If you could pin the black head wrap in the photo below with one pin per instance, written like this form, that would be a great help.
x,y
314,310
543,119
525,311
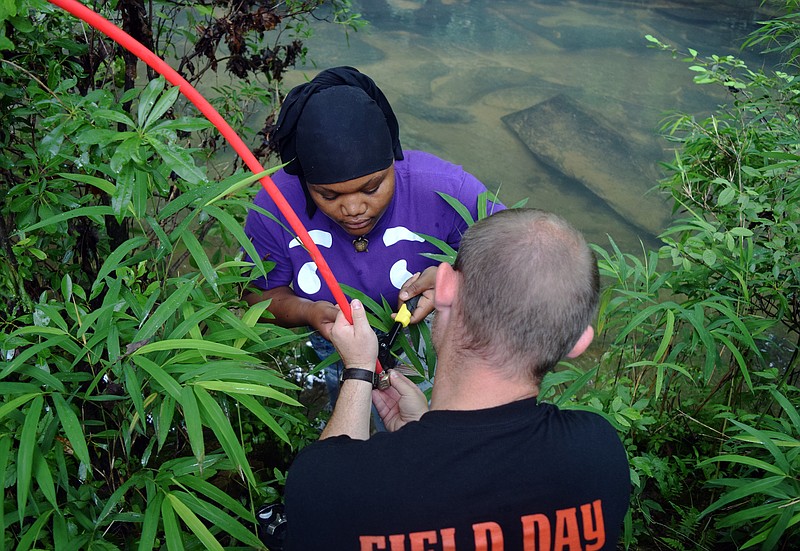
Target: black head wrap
x,y
337,127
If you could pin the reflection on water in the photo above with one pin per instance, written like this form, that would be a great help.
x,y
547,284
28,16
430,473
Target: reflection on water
x,y
454,69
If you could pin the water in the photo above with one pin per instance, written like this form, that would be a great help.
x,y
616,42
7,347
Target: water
x,y
452,69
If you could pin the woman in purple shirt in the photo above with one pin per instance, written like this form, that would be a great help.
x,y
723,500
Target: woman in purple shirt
x,y
363,200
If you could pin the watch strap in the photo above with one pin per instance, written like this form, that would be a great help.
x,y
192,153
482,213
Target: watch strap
x,y
359,374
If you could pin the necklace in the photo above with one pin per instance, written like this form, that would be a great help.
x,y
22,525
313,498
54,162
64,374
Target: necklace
x,y
361,244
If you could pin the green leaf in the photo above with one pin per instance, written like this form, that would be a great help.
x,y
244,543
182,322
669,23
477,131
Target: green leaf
x,y
115,498
172,532
185,124
191,323
746,489
94,213
744,460
240,184
194,428
264,416
163,239
141,193
737,355
191,344
114,260
194,524
443,246
152,515
780,458
12,405
164,312
72,428
166,412
220,519
208,490
113,116
220,424
741,232
5,452
726,196
788,407
201,259
44,478
483,204
235,228
99,183
164,103
459,207
181,162
148,98
162,377
134,389
575,387
32,533
248,389
25,454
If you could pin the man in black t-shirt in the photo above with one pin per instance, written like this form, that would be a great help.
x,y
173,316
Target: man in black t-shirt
x,y
485,467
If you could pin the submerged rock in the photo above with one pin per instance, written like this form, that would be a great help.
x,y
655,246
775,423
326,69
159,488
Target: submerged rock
x,y
583,147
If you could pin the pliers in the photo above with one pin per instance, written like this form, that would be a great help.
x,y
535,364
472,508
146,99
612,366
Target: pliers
x,y
386,341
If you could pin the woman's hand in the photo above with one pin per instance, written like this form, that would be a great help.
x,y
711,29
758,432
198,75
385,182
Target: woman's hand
x,y
421,284
321,316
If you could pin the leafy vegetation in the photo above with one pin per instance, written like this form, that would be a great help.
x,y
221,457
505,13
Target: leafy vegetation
x,y
699,368
144,405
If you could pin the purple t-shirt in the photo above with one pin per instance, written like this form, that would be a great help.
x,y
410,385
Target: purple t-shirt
x,y
394,252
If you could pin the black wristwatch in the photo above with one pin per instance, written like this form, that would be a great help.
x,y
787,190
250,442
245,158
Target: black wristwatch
x,y
359,374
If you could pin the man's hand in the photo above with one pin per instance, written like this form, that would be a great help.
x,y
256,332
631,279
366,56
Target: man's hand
x,y
358,347
420,284
357,343
401,403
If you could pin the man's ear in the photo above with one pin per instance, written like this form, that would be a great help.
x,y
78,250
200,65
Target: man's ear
x,y
446,286
583,343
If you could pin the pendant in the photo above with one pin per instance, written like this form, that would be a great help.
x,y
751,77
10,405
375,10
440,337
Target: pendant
x,y
361,244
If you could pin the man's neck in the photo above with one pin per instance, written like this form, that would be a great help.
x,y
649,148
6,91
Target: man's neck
x,y
474,385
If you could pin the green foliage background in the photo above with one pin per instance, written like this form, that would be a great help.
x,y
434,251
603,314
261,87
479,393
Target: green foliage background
x,y
144,405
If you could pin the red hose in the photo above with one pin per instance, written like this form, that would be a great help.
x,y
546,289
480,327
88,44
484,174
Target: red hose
x,y
137,48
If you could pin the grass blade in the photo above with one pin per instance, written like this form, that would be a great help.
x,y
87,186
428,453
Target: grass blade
x,y
72,428
261,412
172,532
248,389
25,454
192,344
201,259
150,524
221,425
194,428
194,524
164,312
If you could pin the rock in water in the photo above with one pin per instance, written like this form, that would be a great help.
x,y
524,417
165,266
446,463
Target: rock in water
x,y
581,146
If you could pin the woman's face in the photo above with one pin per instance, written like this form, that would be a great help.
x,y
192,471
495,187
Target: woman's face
x,y
356,205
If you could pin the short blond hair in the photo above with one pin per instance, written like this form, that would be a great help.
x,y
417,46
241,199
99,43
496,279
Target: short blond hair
x,y
530,288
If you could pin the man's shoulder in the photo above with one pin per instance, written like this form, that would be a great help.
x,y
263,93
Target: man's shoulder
x,y
581,419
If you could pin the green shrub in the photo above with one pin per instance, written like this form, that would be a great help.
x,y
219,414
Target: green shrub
x,y
139,392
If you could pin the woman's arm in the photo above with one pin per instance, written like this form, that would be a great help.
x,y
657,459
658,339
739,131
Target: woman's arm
x,y
292,311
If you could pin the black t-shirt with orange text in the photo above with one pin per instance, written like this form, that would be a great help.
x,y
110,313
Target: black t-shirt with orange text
x,y
523,476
